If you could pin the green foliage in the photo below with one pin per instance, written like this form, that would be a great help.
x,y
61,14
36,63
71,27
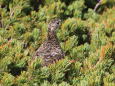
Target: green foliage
x,y
75,9
7,79
86,37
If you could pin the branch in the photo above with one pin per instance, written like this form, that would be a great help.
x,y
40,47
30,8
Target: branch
x,y
97,5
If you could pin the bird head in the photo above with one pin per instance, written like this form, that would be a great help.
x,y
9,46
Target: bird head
x,y
54,24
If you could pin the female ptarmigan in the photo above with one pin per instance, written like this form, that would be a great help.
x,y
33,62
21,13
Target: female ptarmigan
x,y
50,51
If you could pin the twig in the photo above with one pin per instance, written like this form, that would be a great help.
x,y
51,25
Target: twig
x,y
97,5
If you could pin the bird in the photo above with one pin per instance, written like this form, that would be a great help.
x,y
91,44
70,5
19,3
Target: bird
x,y
50,50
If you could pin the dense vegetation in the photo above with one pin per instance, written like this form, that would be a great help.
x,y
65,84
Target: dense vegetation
x,y
86,36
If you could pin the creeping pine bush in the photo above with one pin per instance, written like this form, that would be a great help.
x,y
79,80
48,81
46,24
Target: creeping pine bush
x,y
87,38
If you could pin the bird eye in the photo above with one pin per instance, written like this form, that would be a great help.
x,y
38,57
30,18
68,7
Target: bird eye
x,y
57,22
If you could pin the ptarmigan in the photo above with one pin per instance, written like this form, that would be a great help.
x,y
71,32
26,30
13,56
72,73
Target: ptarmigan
x,y
50,51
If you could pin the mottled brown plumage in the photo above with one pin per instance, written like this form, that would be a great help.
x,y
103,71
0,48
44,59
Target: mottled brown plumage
x,y
50,51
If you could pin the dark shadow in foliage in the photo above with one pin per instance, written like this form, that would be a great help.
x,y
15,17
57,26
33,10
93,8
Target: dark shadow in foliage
x,y
84,11
15,70
67,2
0,21
109,34
91,3
36,3
110,5
5,4
84,35
113,52
27,10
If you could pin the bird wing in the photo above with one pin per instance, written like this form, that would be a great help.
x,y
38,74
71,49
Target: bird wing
x,y
42,50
